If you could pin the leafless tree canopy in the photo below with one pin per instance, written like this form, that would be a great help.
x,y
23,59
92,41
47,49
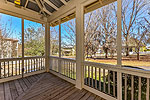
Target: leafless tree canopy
x,y
101,29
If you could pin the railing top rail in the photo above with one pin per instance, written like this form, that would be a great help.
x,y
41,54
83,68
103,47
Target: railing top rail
x,y
34,57
68,59
136,72
15,59
10,59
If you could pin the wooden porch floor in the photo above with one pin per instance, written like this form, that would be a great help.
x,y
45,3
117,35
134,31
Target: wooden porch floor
x,y
44,86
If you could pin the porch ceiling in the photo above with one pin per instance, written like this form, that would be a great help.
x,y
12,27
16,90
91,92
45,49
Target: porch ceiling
x,y
44,7
48,10
34,10
68,12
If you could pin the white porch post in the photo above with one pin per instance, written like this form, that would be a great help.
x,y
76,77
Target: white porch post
x,y
22,46
119,49
59,63
47,46
79,45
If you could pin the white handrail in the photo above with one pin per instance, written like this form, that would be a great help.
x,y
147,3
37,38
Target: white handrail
x,y
14,59
136,72
68,59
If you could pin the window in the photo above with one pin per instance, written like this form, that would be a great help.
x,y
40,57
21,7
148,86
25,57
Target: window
x,y
136,34
100,34
68,39
54,40
34,39
10,36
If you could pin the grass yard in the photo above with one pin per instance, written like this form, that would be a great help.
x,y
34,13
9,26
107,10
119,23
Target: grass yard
x,y
136,63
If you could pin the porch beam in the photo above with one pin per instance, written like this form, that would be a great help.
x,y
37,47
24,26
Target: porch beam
x,y
47,11
79,45
44,8
64,2
26,3
40,6
70,6
63,10
51,4
32,1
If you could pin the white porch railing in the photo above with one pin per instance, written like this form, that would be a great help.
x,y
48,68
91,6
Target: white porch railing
x,y
13,66
103,78
63,66
32,64
100,79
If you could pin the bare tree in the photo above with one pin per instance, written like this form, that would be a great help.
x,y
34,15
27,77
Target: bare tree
x,y
6,32
140,39
68,34
54,40
132,13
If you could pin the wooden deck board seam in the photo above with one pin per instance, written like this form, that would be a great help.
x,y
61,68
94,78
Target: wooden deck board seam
x,y
19,98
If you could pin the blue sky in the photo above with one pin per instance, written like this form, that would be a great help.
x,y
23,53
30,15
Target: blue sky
x,y
14,23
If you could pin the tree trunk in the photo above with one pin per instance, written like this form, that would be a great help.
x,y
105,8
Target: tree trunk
x,y
106,53
87,54
138,54
127,50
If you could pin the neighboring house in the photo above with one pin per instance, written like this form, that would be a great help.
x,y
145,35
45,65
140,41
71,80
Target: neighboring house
x,y
68,51
132,46
8,47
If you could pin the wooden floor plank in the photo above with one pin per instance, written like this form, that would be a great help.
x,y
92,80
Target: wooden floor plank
x,y
78,97
23,85
13,90
44,86
18,87
57,92
1,91
30,80
86,96
92,97
41,90
72,96
62,93
7,91
98,98
36,77
33,78
28,84
42,95
68,94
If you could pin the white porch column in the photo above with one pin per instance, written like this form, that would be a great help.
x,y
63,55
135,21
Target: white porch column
x,y
22,21
47,46
119,49
79,45
59,63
